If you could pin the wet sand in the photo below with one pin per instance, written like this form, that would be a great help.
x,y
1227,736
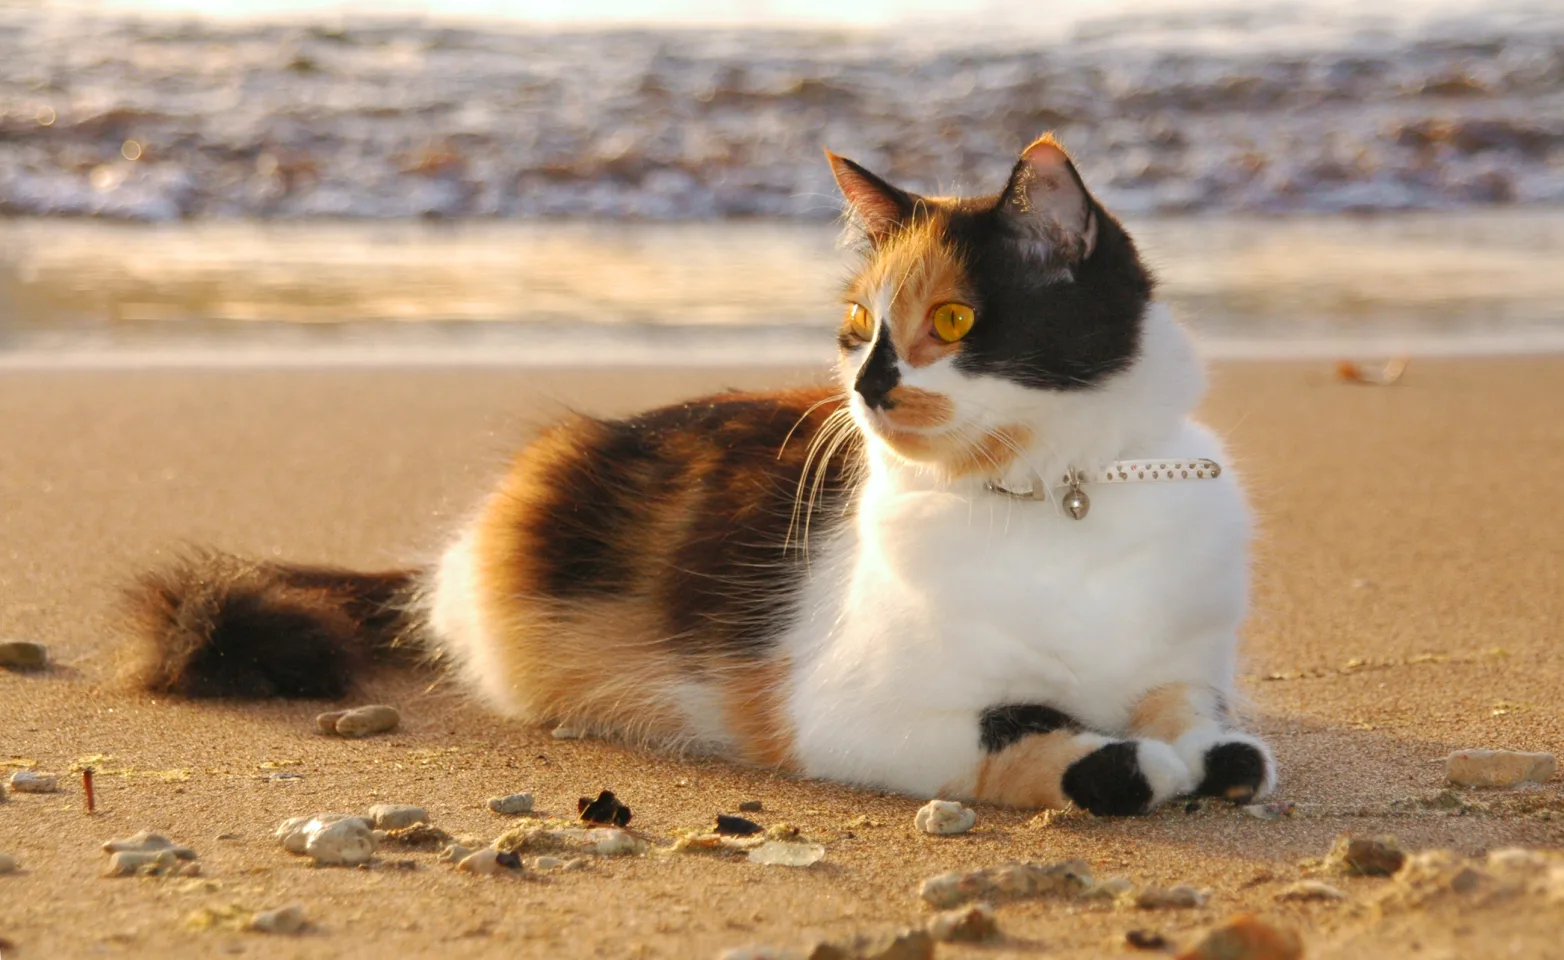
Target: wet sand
x,y
1407,604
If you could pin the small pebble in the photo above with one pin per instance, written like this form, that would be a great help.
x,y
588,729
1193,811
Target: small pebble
x,y
283,920
1246,937
228,836
455,853
1366,856
511,804
26,781
1311,891
737,826
329,838
567,733
148,842
944,817
327,722
130,863
367,721
1006,882
900,945
760,952
8,864
395,816
605,809
752,806
970,924
1270,811
23,655
781,853
1498,768
1114,888
1145,940
1180,897
485,862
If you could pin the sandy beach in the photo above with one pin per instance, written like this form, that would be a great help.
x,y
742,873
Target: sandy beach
x,y
1407,604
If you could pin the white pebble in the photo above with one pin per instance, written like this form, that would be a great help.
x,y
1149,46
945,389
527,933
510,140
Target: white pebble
x,y
395,816
567,733
25,781
613,842
367,721
8,864
781,853
148,842
945,817
329,838
1498,768
485,862
511,804
283,920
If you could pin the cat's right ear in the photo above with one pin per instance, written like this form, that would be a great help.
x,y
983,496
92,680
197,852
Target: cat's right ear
x,y
877,207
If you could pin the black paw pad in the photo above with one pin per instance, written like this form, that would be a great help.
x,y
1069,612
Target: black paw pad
x,y
1108,781
1234,771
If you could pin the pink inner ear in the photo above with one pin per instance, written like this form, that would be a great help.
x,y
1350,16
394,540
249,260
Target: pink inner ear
x,y
1052,190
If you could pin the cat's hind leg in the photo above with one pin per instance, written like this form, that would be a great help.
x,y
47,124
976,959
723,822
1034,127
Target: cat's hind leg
x,y
1194,720
1036,756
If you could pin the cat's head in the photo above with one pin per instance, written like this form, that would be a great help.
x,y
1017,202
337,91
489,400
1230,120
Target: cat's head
x,y
970,315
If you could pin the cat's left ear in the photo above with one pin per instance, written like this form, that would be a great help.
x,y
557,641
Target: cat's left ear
x,y
1047,204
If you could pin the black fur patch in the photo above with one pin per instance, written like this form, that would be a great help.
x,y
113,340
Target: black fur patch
x,y
878,376
1108,781
1234,771
694,505
1040,327
1001,726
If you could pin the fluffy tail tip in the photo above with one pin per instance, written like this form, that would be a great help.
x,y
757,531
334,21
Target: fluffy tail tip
x,y
212,625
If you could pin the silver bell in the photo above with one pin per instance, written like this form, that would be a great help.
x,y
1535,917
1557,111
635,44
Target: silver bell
x,y
1077,502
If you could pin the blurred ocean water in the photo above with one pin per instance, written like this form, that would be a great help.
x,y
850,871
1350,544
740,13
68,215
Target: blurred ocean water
x,y
641,180
1306,106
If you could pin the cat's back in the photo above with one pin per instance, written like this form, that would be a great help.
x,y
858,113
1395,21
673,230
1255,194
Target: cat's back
x,y
625,561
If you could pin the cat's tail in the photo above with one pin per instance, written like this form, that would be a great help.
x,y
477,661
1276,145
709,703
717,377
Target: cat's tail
x,y
215,625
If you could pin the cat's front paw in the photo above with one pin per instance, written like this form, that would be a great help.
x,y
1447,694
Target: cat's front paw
x,y
1125,778
1233,766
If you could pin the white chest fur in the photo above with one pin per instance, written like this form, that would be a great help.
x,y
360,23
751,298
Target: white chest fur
x,y
937,605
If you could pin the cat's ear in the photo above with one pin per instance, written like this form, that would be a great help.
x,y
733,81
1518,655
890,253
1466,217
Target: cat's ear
x,y
1048,206
879,208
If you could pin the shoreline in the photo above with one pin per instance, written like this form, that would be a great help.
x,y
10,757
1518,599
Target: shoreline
x,y
786,352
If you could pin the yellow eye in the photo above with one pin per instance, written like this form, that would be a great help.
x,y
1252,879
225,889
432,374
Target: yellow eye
x,y
952,321
859,322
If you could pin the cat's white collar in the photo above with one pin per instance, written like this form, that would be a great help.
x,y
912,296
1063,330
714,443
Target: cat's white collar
x,y
1077,503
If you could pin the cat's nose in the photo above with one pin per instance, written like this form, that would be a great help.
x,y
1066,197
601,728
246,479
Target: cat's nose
x,y
878,376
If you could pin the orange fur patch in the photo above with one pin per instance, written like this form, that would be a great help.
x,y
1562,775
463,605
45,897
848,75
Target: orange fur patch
x,y
752,701
1168,712
1029,772
922,272
989,455
915,408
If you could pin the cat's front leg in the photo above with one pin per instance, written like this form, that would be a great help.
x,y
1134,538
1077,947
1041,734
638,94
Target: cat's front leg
x,y
1036,756
1194,719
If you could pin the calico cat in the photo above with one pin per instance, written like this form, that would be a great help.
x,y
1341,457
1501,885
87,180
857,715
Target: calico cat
x,y
883,583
